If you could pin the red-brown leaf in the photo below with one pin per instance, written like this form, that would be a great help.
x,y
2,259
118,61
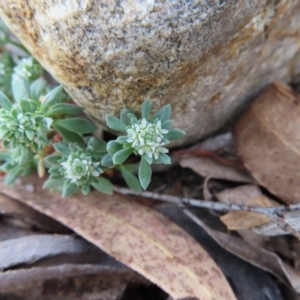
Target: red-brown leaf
x,y
267,137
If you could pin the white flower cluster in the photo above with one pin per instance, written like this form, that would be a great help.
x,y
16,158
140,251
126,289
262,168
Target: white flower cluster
x,y
25,68
146,137
80,169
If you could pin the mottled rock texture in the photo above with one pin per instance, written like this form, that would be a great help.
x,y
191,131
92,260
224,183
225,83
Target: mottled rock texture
x,y
204,57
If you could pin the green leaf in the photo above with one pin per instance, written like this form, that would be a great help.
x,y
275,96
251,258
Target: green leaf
x,y
48,122
76,125
25,156
115,124
98,145
27,105
174,134
163,158
120,156
107,161
29,134
103,185
55,172
64,108
145,173
14,112
130,179
4,155
6,166
4,33
163,113
131,167
149,159
63,149
53,183
12,175
69,189
122,139
113,147
37,88
167,124
52,97
146,108
86,189
28,169
124,116
20,87
70,137
52,159
5,102
133,118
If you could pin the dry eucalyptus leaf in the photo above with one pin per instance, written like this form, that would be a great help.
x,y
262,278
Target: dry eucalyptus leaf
x,y
205,167
244,220
247,195
68,282
240,194
211,144
248,282
139,237
14,209
287,246
272,229
216,142
261,258
27,250
267,138
10,231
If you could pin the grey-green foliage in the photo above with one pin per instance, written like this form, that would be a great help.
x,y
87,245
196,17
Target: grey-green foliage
x,y
17,162
6,70
146,136
28,123
73,168
23,124
4,33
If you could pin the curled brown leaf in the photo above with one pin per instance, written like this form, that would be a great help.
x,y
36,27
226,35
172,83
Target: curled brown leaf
x,y
267,137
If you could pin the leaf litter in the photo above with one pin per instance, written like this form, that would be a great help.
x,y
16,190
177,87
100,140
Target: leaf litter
x,y
253,237
137,236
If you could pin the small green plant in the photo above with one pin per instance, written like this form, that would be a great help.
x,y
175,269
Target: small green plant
x,y
23,124
28,124
146,136
17,163
73,168
40,129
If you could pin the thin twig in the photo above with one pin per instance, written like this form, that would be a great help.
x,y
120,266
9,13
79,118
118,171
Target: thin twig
x,y
268,211
274,213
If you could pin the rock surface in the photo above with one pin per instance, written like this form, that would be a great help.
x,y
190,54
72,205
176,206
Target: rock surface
x,y
204,57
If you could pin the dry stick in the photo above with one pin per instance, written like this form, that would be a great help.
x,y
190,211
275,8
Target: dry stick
x,y
280,221
274,213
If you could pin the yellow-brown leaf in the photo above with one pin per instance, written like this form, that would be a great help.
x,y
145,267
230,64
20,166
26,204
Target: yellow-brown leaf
x,y
139,237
